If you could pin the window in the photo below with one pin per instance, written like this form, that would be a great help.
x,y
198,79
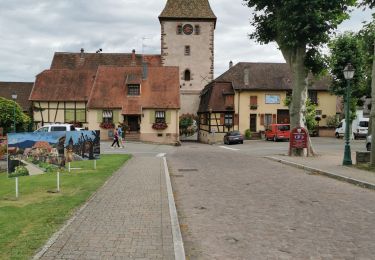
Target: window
x,y
187,50
69,115
187,75
197,29
268,119
107,116
77,115
160,117
313,96
228,119
179,29
133,90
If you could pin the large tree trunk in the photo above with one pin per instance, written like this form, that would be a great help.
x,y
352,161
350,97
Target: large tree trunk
x,y
296,61
372,114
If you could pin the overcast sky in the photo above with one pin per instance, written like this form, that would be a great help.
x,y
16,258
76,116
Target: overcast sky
x,y
32,30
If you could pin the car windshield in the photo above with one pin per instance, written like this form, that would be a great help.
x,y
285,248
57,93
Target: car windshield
x,y
363,123
284,127
235,133
58,128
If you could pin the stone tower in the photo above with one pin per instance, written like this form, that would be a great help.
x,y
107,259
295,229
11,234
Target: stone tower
x,y
187,41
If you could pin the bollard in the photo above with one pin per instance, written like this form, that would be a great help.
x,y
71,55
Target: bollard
x,y
94,164
17,187
58,182
68,166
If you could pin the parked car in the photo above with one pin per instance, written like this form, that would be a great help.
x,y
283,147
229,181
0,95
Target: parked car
x,y
277,132
233,137
359,128
368,143
55,128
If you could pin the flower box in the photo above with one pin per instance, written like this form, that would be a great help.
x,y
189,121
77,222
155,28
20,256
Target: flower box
x,y
107,125
159,126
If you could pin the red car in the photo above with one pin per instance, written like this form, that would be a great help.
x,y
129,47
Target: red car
x,y
277,132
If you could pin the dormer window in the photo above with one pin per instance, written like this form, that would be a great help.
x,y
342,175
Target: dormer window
x,y
187,75
134,90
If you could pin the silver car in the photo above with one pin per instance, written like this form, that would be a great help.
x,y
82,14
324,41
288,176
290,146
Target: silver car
x,y
368,143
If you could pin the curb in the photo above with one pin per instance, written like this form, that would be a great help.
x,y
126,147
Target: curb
x,y
336,176
178,244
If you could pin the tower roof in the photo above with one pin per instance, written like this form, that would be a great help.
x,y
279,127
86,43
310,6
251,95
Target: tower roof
x,y
187,9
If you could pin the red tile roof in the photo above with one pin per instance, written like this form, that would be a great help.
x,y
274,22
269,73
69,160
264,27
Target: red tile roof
x,y
22,89
63,85
161,88
213,97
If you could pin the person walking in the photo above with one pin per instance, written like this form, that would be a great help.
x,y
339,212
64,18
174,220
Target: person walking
x,y
120,132
115,139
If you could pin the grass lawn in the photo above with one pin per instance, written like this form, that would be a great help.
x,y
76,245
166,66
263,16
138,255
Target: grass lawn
x,y
27,223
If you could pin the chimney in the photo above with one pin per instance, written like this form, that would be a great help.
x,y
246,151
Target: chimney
x,y
82,51
133,63
145,70
246,77
230,64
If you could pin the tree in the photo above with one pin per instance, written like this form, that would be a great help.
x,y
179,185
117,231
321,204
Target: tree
x,y
7,116
299,27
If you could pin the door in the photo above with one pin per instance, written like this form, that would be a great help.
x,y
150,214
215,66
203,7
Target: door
x,y
283,116
253,123
133,123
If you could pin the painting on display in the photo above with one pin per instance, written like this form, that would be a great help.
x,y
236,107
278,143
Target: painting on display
x,y
82,145
272,99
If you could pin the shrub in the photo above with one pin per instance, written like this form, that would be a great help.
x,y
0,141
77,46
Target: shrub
x,y
19,171
247,134
332,121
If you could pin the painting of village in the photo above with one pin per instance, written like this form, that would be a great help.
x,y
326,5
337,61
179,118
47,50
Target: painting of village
x,y
36,153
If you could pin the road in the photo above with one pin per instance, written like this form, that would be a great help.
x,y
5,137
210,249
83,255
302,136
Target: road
x,y
234,204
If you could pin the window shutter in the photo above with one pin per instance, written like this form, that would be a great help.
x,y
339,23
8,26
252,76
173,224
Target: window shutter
x,y
152,116
274,119
168,116
99,116
262,119
222,118
253,100
236,119
115,116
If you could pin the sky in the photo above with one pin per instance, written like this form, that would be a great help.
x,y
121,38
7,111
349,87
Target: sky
x,y
31,31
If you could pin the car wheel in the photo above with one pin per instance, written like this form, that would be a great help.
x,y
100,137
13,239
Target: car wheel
x,y
241,142
337,135
368,147
275,138
355,137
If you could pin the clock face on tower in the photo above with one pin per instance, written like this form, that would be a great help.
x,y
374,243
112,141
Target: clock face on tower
x,y
188,29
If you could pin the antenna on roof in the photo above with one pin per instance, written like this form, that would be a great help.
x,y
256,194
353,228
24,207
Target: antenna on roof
x,y
99,51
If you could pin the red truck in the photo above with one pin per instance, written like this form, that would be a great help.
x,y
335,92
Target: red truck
x,y
277,132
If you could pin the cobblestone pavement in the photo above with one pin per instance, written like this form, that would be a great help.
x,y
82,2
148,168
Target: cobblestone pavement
x,y
233,205
127,219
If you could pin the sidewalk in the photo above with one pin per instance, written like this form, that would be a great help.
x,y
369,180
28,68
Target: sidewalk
x,y
330,165
128,218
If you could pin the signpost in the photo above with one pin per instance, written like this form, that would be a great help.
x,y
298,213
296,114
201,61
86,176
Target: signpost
x,y
298,139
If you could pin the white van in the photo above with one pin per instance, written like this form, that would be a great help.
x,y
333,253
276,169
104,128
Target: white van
x,y
359,128
55,128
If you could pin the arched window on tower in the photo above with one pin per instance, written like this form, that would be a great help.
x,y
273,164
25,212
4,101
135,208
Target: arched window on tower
x,y
187,75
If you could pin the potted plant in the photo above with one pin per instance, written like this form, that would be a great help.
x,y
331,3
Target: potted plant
x,y
107,125
159,126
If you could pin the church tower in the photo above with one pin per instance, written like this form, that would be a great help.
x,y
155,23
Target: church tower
x,y
187,41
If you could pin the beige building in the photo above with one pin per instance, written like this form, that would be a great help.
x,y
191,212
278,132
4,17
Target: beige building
x,y
187,41
252,96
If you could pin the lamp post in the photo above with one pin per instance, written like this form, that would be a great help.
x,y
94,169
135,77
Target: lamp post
x,y
348,74
14,97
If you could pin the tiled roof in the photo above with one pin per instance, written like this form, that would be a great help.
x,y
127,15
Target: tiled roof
x,y
91,61
213,96
187,9
161,89
266,76
22,89
63,85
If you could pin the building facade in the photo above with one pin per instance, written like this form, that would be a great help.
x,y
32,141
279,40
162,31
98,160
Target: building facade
x,y
187,41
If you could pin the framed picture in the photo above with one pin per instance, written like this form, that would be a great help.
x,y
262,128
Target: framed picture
x,y
272,99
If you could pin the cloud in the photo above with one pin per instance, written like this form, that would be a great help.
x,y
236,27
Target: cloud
x,y
31,31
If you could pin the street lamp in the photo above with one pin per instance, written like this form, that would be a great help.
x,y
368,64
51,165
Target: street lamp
x,y
14,97
348,74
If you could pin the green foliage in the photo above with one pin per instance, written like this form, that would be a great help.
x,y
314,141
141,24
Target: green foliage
x,y
332,121
10,110
19,171
28,222
310,115
287,101
247,134
187,124
367,36
348,48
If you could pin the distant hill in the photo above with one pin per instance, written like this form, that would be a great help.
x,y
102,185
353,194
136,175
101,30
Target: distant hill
x,y
24,144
